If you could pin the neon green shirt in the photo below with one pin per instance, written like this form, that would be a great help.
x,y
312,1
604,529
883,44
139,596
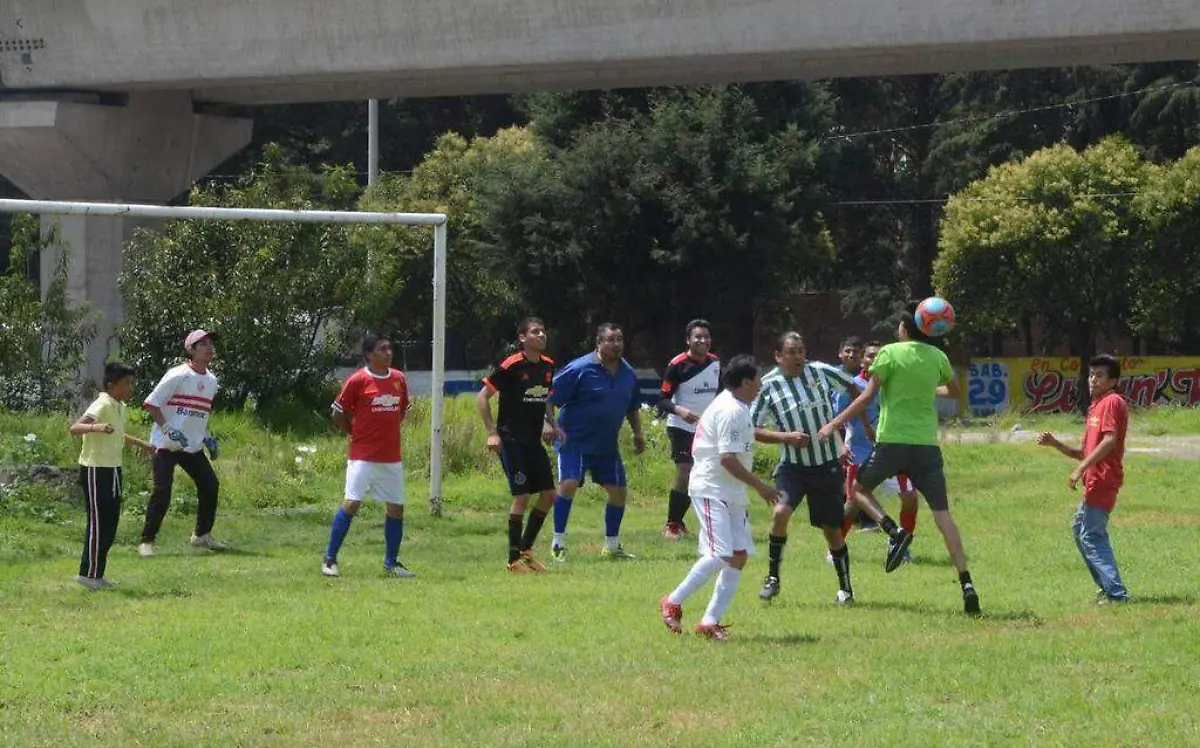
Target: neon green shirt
x,y
100,449
909,374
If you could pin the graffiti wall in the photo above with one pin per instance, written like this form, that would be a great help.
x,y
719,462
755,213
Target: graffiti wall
x,y
1048,385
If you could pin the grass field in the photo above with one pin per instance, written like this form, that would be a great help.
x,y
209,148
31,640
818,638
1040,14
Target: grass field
x,y
254,648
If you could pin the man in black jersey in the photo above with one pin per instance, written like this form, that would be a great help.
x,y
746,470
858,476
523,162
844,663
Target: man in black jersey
x,y
690,383
523,383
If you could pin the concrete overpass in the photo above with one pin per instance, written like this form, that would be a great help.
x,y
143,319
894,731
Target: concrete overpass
x,y
121,99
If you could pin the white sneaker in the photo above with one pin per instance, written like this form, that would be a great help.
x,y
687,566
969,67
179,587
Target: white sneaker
x,y
329,568
844,598
829,557
106,583
146,550
208,541
399,571
89,583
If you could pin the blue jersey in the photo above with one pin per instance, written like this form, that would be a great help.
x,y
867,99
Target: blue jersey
x,y
856,435
594,402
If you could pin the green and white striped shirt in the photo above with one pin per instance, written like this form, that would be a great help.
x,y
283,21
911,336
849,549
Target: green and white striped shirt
x,y
804,404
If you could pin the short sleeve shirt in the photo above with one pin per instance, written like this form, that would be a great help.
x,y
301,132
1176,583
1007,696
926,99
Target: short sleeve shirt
x,y
690,384
860,444
523,387
725,428
593,403
100,449
802,403
375,404
1108,415
909,375
185,397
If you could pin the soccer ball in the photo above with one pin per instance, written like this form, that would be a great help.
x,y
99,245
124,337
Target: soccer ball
x,y
934,317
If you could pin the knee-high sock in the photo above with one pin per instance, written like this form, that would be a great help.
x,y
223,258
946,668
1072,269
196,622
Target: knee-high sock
x,y
723,592
337,533
393,533
701,572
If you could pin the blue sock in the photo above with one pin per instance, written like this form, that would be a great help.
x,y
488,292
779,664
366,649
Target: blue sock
x,y
393,533
562,512
613,515
337,533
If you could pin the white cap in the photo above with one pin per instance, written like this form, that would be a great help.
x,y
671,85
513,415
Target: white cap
x,y
195,336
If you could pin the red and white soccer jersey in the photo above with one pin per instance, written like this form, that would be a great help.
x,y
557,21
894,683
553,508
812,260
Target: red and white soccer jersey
x,y
376,405
185,397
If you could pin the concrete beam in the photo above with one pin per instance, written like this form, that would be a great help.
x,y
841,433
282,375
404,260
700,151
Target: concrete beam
x,y
259,51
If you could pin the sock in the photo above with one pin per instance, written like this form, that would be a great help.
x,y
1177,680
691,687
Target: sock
x,y
775,550
964,578
908,520
393,533
562,513
560,540
723,592
337,533
888,525
514,537
701,572
612,542
613,515
677,506
847,520
536,518
841,564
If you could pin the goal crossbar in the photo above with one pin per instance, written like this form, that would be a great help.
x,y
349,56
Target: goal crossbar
x,y
436,220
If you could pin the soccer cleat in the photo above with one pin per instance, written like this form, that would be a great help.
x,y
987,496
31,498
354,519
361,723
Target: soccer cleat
x,y
770,589
673,531
844,598
1100,595
146,550
617,554
971,600
106,583
518,567
559,553
897,550
714,631
829,557
329,568
672,615
208,542
530,562
89,583
906,558
399,570
1106,600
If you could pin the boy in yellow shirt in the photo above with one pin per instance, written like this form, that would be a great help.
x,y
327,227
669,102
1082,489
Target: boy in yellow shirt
x,y
102,427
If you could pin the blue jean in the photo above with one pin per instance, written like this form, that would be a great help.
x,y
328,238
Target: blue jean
x,y
1090,528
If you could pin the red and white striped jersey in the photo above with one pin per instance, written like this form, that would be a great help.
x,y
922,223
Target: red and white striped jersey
x,y
185,397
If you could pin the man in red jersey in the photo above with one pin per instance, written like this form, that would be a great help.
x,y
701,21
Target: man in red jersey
x,y
1102,472
370,408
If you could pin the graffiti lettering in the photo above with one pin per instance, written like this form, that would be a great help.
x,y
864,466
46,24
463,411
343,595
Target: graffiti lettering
x,y
1187,383
1050,392
1145,389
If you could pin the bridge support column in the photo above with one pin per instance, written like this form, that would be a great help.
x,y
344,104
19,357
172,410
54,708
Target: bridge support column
x,y
145,148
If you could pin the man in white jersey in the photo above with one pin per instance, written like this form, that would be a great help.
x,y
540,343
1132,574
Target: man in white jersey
x,y
180,406
689,384
724,455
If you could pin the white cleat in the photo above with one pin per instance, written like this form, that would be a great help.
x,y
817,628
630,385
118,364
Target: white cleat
x,y
844,598
208,542
146,550
91,584
399,570
329,568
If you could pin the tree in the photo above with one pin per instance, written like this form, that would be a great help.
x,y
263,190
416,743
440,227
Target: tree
x,y
1053,237
278,294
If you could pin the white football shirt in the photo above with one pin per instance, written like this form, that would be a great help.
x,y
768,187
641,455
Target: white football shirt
x,y
725,428
185,397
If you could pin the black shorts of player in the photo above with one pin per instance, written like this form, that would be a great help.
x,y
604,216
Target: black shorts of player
x,y
527,467
681,445
922,463
824,485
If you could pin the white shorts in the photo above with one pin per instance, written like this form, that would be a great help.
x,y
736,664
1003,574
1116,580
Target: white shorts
x,y
892,485
382,481
724,527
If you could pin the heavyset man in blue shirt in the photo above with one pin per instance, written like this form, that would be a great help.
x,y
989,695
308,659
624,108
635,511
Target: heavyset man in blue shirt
x,y
595,393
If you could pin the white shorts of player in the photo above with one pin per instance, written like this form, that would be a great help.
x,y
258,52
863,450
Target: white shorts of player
x,y
382,481
891,485
724,528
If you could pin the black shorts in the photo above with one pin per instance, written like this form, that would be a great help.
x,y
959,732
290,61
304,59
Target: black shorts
x,y
527,467
681,445
824,485
922,464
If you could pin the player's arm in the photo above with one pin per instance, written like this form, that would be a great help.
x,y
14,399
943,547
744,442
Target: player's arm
x,y
86,424
853,410
734,466
759,411
342,409
133,441
949,389
1046,439
634,416
483,403
1107,444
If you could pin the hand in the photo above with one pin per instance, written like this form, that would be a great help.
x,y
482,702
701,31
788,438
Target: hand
x,y
103,428
844,454
825,433
687,415
1046,439
769,494
798,438
493,442
176,436
639,444
1073,481
870,433
214,447
149,448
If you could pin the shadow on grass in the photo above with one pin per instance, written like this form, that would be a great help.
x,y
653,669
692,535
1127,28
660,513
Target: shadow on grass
x,y
790,640
1165,600
942,561
141,593
1026,616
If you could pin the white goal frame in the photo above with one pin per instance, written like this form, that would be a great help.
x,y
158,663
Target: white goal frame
x,y
436,220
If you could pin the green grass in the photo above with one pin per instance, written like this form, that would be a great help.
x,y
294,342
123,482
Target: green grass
x,y
1163,420
255,648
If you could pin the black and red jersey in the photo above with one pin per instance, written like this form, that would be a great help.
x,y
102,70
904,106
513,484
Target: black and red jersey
x,y
523,386
690,384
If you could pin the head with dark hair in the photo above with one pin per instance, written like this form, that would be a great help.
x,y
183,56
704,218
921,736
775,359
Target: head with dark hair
x,y
699,338
870,351
377,352
610,342
851,354
790,354
1104,371
738,370
908,329
118,380
531,335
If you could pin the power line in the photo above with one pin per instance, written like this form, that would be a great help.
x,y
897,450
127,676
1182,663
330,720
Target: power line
x,y
939,200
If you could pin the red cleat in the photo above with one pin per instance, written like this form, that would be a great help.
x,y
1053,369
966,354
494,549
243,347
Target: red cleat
x,y
672,615
714,631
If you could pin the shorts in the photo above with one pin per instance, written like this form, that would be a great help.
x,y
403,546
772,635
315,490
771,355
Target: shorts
x,y
681,444
899,485
527,467
724,527
382,481
606,470
824,485
922,463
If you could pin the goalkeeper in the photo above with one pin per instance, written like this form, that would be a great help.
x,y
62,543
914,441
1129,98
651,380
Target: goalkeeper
x,y
180,406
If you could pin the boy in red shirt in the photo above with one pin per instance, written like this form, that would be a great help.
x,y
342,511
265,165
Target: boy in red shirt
x,y
371,407
1102,474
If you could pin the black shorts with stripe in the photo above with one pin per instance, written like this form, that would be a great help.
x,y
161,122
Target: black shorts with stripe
x,y
823,485
527,467
681,445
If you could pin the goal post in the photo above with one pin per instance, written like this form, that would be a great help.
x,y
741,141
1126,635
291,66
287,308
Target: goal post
x,y
436,220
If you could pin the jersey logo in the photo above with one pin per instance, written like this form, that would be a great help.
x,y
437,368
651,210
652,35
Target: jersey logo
x,y
385,403
200,386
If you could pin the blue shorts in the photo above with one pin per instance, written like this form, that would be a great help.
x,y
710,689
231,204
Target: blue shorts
x,y
606,470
